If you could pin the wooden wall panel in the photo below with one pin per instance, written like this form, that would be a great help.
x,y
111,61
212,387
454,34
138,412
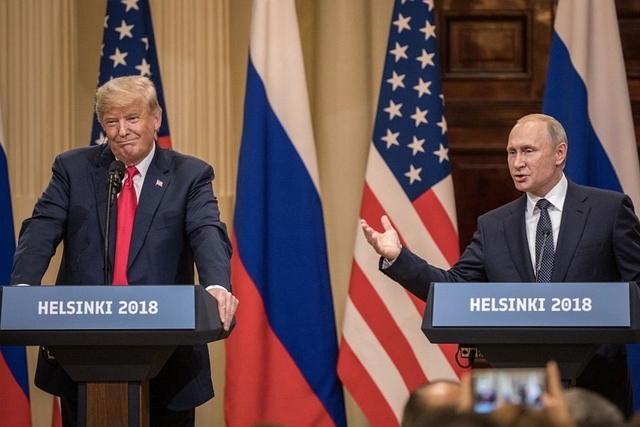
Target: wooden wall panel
x,y
479,173
486,45
629,23
494,58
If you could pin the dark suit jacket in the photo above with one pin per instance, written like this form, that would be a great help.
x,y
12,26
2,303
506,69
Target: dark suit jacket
x,y
599,241
177,223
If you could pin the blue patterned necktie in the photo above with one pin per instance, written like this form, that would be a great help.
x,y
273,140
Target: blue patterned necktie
x,y
544,244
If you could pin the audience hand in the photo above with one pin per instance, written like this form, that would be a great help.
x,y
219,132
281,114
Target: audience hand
x,y
553,398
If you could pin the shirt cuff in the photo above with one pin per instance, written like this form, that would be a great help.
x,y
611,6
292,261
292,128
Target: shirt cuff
x,y
386,263
216,286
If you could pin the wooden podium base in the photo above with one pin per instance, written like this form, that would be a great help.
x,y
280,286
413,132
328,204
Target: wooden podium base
x,y
113,404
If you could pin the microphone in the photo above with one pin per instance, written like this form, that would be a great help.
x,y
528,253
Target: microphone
x,y
114,185
116,174
545,233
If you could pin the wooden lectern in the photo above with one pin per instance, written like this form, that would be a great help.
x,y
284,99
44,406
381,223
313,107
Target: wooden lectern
x,y
110,339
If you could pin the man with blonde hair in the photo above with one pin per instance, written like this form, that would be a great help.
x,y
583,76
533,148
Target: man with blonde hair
x,y
175,224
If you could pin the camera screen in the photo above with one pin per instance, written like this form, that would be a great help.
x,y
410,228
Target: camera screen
x,y
495,387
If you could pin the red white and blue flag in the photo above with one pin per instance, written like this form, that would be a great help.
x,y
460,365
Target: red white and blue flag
x,y
14,378
129,48
586,90
384,355
281,358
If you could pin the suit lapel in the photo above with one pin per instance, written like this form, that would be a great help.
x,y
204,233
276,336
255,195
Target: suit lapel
x,y
517,242
155,184
99,176
574,217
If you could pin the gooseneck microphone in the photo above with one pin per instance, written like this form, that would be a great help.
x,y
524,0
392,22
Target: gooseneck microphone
x,y
114,185
545,233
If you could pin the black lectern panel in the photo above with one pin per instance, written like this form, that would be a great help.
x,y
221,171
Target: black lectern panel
x,y
525,344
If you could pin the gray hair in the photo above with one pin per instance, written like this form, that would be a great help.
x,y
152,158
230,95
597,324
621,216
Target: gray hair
x,y
590,409
554,127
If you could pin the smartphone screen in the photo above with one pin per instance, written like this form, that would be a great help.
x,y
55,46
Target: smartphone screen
x,y
495,387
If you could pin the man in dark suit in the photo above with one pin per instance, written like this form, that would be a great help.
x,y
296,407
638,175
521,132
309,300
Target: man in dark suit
x,y
177,223
595,232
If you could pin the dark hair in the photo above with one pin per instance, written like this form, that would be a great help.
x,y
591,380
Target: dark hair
x,y
448,417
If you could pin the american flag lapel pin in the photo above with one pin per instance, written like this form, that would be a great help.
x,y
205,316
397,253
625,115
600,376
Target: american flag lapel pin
x,y
159,183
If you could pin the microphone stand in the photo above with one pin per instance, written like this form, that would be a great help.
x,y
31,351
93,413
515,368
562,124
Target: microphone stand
x,y
111,195
114,185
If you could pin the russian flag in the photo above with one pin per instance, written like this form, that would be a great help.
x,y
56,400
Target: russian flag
x,y
14,379
281,358
586,90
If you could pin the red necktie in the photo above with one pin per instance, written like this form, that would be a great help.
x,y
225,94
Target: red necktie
x,y
127,203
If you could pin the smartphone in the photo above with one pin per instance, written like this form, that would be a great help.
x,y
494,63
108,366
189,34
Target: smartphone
x,y
495,387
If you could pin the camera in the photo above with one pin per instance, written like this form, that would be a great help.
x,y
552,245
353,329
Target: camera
x,y
495,387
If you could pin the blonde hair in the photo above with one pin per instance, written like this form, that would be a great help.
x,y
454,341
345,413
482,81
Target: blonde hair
x,y
123,91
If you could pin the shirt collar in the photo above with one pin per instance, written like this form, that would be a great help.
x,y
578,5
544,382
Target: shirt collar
x,y
556,196
143,166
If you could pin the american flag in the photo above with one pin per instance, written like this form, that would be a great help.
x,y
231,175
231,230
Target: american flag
x,y
383,354
129,48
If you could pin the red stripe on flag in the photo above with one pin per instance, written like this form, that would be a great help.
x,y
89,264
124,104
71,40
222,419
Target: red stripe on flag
x,y
56,415
365,392
371,209
449,351
164,141
439,225
14,404
376,314
420,305
385,328
255,357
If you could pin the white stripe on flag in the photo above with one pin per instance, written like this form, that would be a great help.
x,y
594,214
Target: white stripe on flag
x,y
589,29
407,222
431,359
279,71
370,352
444,192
